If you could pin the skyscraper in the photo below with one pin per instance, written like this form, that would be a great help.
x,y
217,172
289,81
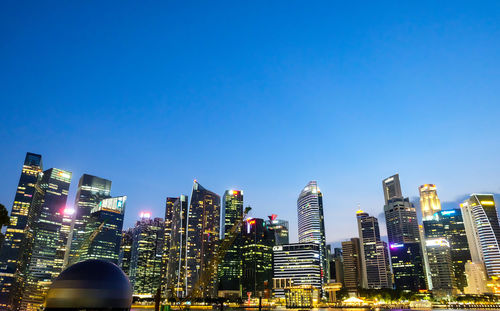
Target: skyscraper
x,y
351,253
429,201
12,247
230,269
403,235
169,215
91,191
202,236
296,264
374,256
146,259
176,269
45,239
408,266
107,220
125,257
257,258
337,266
449,225
441,268
483,231
280,228
312,224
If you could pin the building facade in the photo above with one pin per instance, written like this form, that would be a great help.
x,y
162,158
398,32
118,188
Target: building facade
x,y
125,257
202,237
353,273
311,222
176,285
91,191
146,259
15,237
294,265
103,231
441,269
230,269
376,272
280,228
429,201
449,225
257,258
46,242
483,231
408,266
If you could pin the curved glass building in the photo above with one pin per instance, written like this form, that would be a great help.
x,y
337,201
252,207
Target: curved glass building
x,y
311,222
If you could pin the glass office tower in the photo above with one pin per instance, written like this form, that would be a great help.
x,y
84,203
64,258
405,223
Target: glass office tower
x,y
45,238
103,232
203,236
230,268
429,201
280,228
91,191
12,247
311,222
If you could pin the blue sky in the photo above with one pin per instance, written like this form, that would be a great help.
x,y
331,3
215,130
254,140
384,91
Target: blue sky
x,y
262,96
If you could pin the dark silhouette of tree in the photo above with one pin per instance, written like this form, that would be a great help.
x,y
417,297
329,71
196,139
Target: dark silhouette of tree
x,y
4,221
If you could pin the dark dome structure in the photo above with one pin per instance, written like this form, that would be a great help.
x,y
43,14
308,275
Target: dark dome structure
x,y
90,285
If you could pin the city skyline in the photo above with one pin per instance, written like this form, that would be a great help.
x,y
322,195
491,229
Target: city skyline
x,y
112,96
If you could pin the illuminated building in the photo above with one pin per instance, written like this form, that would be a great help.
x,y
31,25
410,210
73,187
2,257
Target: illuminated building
x,y
449,225
429,201
407,266
476,279
176,269
230,269
146,259
280,228
483,231
169,214
376,272
392,188
337,266
311,222
91,191
126,250
107,219
441,269
257,258
296,265
45,240
353,273
202,236
15,234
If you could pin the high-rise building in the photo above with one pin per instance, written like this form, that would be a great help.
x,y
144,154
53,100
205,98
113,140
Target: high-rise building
x,y
408,266
230,269
353,273
483,231
125,257
429,201
449,225
296,265
203,236
12,247
176,270
257,258
91,191
147,251
45,240
103,231
312,224
374,256
392,188
402,229
280,228
441,269
337,266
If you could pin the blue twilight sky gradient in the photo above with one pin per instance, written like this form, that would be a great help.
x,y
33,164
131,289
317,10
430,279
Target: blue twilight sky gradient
x,y
258,95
